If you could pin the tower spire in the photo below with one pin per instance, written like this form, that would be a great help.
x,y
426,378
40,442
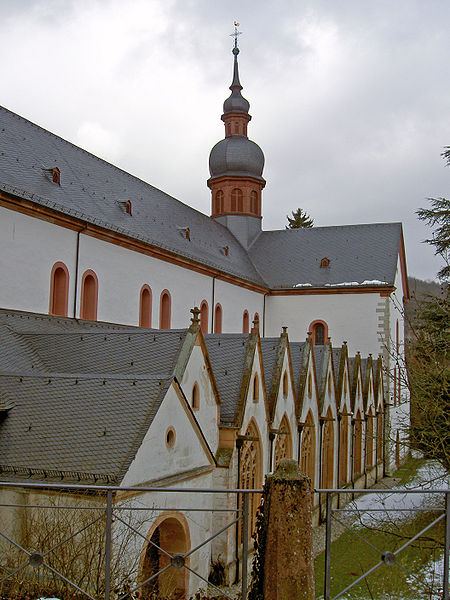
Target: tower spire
x,y
236,165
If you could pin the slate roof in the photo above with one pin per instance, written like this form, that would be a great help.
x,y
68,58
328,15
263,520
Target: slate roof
x,y
269,348
357,253
296,349
84,394
95,191
227,353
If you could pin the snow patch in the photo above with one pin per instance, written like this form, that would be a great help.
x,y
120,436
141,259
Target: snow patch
x,y
302,285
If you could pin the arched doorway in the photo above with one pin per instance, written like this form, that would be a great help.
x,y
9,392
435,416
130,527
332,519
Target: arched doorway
x,y
283,444
308,452
170,537
328,451
251,472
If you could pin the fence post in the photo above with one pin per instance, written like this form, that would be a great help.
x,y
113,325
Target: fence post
x,y
288,557
109,507
244,546
326,591
445,586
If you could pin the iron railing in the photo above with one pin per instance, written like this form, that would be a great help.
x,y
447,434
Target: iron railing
x,y
386,557
111,509
110,512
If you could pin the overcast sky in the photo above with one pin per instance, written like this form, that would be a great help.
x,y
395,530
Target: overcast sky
x,y
350,99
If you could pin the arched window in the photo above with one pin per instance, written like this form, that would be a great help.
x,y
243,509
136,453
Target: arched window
x,y
237,200
89,295
285,385
219,202
319,330
250,476
343,449
145,307
165,308
357,445
328,451
218,319
310,386
369,439
256,388
59,290
195,399
204,316
256,320
283,444
308,450
245,322
254,202
379,436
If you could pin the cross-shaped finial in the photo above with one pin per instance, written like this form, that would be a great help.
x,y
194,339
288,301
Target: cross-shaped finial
x,y
236,34
195,312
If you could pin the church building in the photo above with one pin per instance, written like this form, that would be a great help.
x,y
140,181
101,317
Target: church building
x,y
295,349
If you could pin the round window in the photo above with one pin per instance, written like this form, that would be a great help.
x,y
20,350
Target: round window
x,y
170,437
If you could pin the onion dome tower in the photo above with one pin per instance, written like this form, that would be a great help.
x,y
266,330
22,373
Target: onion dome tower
x,y
236,165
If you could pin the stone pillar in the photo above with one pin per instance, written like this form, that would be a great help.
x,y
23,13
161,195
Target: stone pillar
x,y
288,558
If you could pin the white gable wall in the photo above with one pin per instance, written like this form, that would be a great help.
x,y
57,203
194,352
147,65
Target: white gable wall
x,y
207,415
154,460
350,317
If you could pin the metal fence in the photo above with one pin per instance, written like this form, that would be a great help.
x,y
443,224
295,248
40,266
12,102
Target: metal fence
x,y
352,514
108,512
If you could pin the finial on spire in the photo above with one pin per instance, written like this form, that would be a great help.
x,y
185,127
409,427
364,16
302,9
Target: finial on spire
x,y
236,34
195,315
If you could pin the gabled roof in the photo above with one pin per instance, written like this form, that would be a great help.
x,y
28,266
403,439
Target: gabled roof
x,y
96,192
84,396
273,351
228,353
359,255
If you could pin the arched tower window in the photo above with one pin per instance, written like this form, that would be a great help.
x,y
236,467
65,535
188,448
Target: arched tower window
x,y
218,319
89,296
59,290
256,388
256,320
204,316
319,330
165,307
237,200
283,445
308,450
219,202
254,202
328,451
245,322
145,307
195,399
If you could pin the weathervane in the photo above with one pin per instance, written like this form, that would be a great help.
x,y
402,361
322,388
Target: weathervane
x,y
236,34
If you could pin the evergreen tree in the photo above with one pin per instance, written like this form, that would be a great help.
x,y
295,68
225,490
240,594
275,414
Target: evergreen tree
x,y
428,353
299,219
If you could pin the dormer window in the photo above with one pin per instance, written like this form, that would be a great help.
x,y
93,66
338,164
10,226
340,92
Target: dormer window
x,y
325,262
56,175
128,207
